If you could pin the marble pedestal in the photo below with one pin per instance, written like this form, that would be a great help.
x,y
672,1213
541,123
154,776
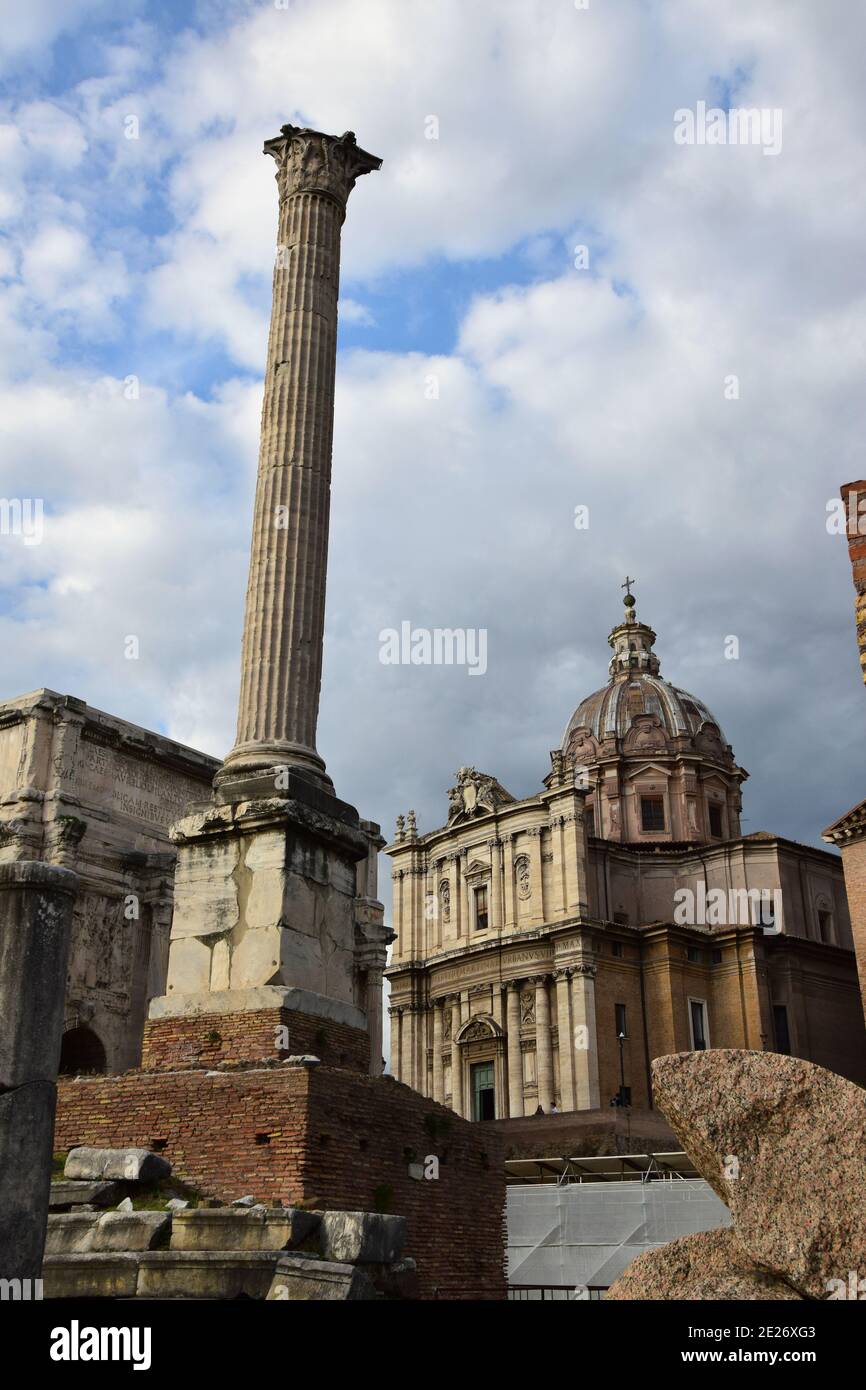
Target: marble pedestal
x,y
264,907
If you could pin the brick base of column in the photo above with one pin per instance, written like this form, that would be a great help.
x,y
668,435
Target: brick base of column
x,y
332,1139
207,1040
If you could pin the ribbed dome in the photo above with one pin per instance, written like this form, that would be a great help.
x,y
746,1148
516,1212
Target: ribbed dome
x,y
639,708
612,710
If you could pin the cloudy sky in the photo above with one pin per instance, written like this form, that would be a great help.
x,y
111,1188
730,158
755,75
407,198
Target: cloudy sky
x,y
137,226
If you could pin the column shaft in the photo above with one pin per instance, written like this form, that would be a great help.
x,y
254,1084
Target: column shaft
x,y
515,1056
587,1089
438,1069
456,1071
544,1051
281,660
566,1040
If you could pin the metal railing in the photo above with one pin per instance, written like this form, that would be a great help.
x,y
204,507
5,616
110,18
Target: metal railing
x,y
555,1293
522,1293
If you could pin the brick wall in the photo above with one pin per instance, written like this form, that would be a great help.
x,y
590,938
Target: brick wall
x,y
321,1135
206,1040
857,554
854,864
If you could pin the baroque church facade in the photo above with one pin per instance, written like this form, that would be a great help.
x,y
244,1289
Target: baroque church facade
x,y
547,949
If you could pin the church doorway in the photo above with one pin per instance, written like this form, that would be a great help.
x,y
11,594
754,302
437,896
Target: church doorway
x,y
483,1092
81,1051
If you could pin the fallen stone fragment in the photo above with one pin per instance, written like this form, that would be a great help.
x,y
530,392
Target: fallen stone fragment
x,y
707,1265
783,1143
298,1279
136,1230
126,1165
242,1229
81,1233
95,1194
362,1237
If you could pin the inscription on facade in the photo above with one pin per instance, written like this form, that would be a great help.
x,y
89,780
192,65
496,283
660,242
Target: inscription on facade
x,y
137,789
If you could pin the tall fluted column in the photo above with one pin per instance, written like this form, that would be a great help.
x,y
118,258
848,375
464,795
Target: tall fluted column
x,y
543,1049
515,1057
281,662
396,1045
438,1069
587,1090
373,1006
496,915
566,1040
456,1067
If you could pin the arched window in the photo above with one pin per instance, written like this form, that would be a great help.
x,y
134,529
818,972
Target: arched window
x,y
81,1051
824,920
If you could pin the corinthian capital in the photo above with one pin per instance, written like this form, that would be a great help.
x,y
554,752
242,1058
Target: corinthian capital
x,y
310,162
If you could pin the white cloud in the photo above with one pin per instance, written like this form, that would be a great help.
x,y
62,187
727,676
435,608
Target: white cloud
x,y
601,387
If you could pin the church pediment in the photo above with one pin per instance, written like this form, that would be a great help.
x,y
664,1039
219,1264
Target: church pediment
x,y
475,794
476,868
656,769
482,1028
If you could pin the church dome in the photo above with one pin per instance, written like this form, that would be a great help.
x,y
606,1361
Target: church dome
x,y
653,758
612,710
637,698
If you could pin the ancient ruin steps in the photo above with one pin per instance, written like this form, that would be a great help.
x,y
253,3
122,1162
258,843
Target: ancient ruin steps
x,y
242,1251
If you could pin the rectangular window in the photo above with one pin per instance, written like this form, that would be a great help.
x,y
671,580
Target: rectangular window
x,y
693,955
780,1026
824,919
621,1020
616,948
652,813
481,908
698,1012
715,820
483,1092
590,820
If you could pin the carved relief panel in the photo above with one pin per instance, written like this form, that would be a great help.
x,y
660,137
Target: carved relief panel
x,y
523,876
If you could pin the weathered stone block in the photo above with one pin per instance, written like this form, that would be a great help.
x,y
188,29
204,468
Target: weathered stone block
x,y
90,1276
362,1237
205,1274
68,1193
298,1280
131,1230
79,1233
233,1229
127,1165
70,1233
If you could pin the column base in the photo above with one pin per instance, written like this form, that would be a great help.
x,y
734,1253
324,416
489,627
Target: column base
x,y
266,767
264,908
